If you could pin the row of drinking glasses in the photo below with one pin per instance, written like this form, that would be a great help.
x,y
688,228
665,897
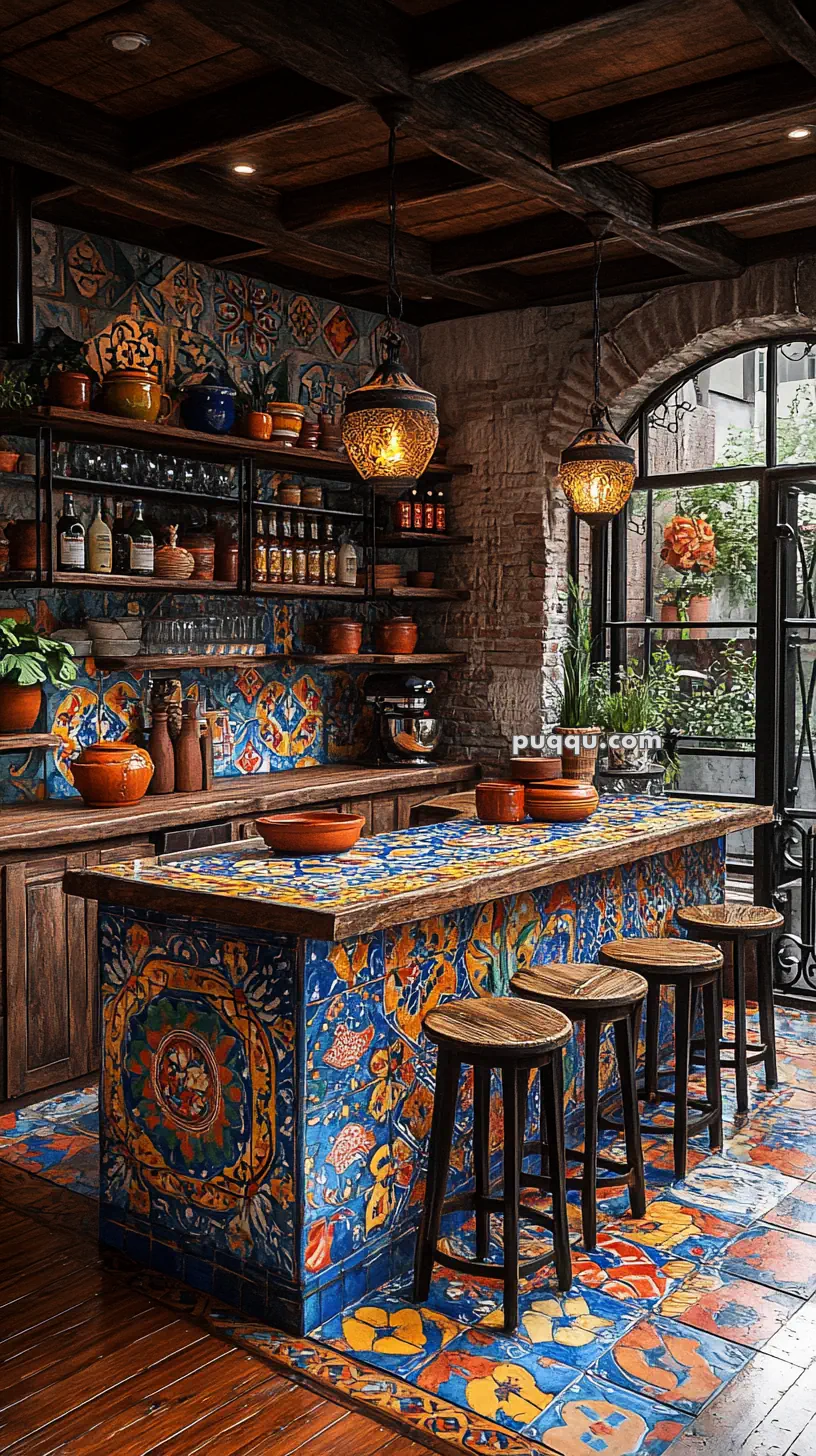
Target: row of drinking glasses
x,y
120,465
161,633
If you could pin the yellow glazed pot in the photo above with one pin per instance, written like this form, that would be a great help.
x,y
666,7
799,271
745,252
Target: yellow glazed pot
x,y
134,394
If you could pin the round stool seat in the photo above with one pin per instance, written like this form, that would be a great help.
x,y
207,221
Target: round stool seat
x,y
724,922
668,957
497,1026
580,986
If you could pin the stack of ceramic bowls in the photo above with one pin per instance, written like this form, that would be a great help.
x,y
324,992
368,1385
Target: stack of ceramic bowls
x,y
76,637
116,636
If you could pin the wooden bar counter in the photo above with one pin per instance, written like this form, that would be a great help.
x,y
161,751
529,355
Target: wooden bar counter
x,y
267,1089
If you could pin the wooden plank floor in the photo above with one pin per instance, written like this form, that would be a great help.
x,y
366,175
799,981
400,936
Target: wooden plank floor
x,y
90,1365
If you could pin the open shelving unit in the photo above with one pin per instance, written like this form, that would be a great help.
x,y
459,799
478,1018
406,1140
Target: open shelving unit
x,y
153,661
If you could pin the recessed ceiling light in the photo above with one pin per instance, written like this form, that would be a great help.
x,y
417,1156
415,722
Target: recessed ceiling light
x,y
244,169
799,133
129,40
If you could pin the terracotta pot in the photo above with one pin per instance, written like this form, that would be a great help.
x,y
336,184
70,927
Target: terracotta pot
x,y
398,634
668,613
309,434
8,461
22,538
69,388
19,707
226,561
26,464
257,424
312,832
560,801
134,394
580,764
331,435
112,773
286,422
536,770
699,610
201,546
498,802
342,635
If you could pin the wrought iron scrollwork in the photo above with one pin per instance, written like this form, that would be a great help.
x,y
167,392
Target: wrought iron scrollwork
x,y
668,414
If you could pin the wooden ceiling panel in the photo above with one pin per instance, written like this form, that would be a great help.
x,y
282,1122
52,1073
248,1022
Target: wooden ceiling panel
x,y
325,151
579,257
781,220
198,80
29,22
751,146
469,212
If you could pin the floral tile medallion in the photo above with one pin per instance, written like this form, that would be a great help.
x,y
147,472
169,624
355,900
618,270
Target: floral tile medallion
x,y
497,1377
594,1418
573,1327
672,1364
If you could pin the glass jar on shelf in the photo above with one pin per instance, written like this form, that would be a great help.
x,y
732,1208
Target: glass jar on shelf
x,y
314,557
273,549
329,555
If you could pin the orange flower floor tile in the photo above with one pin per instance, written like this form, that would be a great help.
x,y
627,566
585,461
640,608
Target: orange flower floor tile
x,y
661,1316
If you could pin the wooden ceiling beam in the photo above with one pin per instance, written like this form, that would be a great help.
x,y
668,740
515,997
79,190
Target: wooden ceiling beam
x,y
739,194
518,242
365,194
361,46
462,37
689,113
243,115
785,27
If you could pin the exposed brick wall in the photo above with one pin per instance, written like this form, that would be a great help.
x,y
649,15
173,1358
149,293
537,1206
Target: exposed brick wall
x,y
512,390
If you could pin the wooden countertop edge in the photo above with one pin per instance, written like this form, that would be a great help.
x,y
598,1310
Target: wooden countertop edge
x,y
329,924
42,825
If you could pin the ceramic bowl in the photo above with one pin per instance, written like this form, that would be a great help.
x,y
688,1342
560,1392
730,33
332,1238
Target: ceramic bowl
x,y
560,801
83,647
132,627
115,647
107,628
311,832
535,770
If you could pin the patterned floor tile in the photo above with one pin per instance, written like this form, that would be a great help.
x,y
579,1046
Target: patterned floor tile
x,y
738,1192
671,1364
775,1257
797,1211
737,1310
575,1327
594,1418
498,1377
628,1271
461,1298
781,1134
389,1332
679,1229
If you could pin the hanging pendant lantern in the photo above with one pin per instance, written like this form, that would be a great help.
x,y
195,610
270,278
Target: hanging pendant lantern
x,y
597,469
390,426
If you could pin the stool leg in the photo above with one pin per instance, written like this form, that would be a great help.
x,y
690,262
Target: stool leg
x,y
544,1169
512,1081
552,1098
652,1039
625,1033
767,1023
682,1047
740,1028
448,1068
711,1013
589,1181
481,1155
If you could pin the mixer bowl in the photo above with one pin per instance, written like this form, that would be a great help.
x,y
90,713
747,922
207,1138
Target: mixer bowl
x,y
409,737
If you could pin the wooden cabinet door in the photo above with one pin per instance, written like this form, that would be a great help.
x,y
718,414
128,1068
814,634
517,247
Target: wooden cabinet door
x,y
48,1011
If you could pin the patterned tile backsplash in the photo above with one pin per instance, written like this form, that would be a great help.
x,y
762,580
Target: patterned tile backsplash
x,y
186,321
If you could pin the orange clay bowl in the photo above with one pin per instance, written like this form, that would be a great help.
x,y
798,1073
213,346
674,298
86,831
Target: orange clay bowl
x,y
560,801
312,832
536,770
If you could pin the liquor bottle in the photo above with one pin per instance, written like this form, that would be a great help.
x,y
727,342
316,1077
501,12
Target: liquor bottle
x,y
142,546
121,541
329,556
403,513
429,511
441,515
300,561
274,564
287,555
100,541
70,537
417,512
260,550
314,557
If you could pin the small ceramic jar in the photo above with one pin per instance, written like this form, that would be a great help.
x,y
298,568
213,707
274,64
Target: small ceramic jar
x,y
201,546
396,634
133,394
287,420
112,773
498,802
69,388
342,635
209,408
309,435
257,424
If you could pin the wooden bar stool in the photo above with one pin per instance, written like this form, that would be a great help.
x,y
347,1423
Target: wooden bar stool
x,y
716,924
600,997
688,967
500,1032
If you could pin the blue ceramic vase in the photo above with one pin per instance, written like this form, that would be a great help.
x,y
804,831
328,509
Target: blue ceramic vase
x,y
208,407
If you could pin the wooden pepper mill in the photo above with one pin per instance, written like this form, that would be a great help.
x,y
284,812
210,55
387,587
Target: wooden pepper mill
x,y
189,768
160,748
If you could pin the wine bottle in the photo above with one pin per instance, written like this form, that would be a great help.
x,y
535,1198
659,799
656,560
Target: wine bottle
x,y
70,537
121,541
100,541
142,547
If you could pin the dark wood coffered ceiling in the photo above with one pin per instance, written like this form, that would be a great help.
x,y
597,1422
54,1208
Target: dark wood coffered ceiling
x,y
669,116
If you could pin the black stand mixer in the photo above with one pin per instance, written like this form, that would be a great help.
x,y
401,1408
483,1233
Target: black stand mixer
x,y
406,732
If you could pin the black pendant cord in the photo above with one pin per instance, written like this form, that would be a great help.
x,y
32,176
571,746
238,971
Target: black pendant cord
x,y
596,319
394,294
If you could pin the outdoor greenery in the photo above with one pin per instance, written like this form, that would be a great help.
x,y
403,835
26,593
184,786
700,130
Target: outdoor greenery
x,y
629,709
715,704
27,658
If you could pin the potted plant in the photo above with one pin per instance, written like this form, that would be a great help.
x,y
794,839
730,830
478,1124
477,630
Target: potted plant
x,y
59,366
689,548
577,719
287,415
15,391
27,660
254,400
628,712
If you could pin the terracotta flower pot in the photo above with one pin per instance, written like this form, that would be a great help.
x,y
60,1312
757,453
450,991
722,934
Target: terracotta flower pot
x,y
69,388
560,801
8,461
498,802
19,707
579,763
134,394
398,635
112,773
342,635
257,425
699,610
668,613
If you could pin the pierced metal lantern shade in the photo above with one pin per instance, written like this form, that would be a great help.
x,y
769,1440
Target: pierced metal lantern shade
x,y
597,471
390,428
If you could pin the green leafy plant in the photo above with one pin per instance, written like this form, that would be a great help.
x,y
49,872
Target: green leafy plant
x,y
719,703
27,658
629,709
577,698
15,391
258,389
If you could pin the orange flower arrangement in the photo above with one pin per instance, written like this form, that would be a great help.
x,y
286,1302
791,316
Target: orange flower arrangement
x,y
689,545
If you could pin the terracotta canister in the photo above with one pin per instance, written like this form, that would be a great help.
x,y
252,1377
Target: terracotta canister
x,y
498,802
257,424
22,539
134,394
19,707
112,773
286,422
397,634
331,434
342,635
161,751
560,801
201,546
69,388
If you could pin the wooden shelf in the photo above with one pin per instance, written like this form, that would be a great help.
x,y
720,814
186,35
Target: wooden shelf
x,y
296,589
422,593
18,742
421,538
380,659
83,579
165,660
154,660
